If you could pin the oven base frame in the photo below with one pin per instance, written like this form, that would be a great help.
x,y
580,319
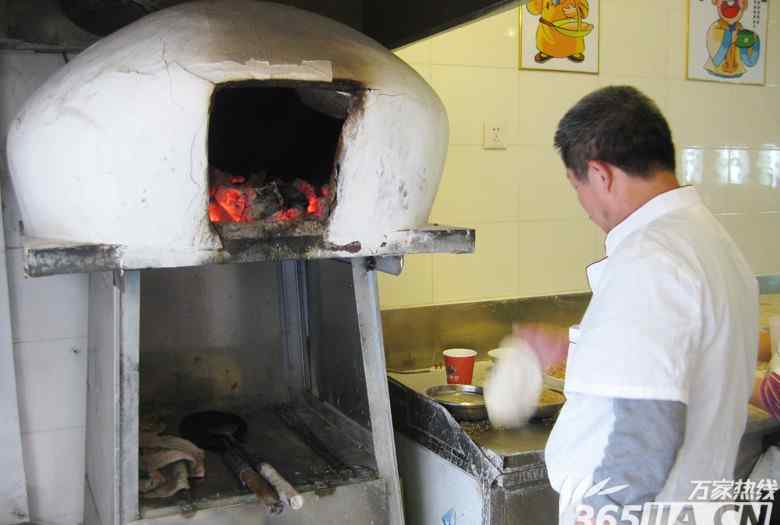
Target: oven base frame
x,y
113,411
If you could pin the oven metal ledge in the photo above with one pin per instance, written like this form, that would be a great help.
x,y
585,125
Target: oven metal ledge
x,y
44,257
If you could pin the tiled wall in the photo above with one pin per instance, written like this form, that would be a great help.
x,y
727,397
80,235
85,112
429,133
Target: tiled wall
x,y
49,322
532,238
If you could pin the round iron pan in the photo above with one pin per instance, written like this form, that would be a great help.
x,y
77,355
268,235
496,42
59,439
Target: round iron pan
x,y
476,410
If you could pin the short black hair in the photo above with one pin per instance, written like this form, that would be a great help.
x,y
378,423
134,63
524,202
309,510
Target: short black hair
x,y
619,125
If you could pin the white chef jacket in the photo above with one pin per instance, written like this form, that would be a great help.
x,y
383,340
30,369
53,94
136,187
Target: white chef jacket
x,y
674,316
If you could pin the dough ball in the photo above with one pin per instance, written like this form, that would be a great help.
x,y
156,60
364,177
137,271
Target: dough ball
x,y
512,391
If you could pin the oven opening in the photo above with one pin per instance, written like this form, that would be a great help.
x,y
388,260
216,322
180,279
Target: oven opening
x,y
272,151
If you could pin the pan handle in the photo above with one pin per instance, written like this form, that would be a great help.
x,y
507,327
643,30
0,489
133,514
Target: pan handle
x,y
287,492
263,490
265,493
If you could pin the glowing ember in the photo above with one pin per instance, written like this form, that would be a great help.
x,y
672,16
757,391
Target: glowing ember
x,y
235,202
288,215
235,198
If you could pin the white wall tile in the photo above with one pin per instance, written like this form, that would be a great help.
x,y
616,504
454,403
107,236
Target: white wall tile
x,y
711,114
764,236
491,41
54,464
756,236
633,38
419,52
656,89
765,180
553,256
51,379
544,97
414,287
473,95
490,273
478,186
676,36
545,192
424,69
519,183
773,49
46,307
719,192
741,227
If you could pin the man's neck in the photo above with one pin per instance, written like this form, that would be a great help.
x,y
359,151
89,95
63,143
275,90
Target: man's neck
x,y
639,192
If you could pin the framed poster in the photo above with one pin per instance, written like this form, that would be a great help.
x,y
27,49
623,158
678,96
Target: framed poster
x,y
727,40
560,35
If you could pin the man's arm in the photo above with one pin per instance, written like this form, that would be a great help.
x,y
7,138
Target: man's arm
x,y
549,342
640,452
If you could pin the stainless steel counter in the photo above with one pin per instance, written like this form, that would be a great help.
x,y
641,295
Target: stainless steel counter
x,y
505,448
507,465
525,445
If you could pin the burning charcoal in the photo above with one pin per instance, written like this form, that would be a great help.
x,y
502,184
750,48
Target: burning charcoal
x,y
267,201
235,201
217,213
312,204
293,197
288,215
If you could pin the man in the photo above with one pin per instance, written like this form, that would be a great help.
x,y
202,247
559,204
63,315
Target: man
x,y
658,382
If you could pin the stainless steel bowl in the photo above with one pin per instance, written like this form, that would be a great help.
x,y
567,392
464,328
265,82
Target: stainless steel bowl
x,y
464,402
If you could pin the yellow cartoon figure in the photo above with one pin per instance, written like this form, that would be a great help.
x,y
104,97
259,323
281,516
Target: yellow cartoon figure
x,y
731,47
562,29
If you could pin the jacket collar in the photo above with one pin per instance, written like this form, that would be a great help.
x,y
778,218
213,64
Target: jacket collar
x,y
658,206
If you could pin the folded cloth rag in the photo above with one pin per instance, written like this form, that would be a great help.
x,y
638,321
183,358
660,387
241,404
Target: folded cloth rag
x,y
167,464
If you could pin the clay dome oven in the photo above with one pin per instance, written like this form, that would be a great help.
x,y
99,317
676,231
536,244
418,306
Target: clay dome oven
x,y
229,131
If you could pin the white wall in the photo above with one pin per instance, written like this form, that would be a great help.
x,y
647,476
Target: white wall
x,y
49,322
532,238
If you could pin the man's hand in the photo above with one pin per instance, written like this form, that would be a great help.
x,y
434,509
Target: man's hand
x,y
549,342
570,11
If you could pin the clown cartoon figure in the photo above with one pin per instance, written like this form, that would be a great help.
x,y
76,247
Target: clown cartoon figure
x,y
562,31
731,47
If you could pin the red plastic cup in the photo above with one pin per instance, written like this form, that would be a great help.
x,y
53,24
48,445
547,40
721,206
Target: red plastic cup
x,y
459,363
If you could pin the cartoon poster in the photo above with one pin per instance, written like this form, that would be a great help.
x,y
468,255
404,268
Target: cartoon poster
x,y
560,35
727,40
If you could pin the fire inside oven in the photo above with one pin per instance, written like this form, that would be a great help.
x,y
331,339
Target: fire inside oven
x,y
273,151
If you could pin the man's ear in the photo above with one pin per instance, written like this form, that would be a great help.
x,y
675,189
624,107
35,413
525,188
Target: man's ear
x,y
601,174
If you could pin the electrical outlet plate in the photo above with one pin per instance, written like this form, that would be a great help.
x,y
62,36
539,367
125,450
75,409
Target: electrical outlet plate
x,y
493,135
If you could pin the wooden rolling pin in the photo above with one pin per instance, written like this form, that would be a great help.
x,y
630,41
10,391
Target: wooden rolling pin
x,y
287,493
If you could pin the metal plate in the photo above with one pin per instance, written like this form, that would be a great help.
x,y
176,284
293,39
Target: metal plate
x,y
550,408
465,402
